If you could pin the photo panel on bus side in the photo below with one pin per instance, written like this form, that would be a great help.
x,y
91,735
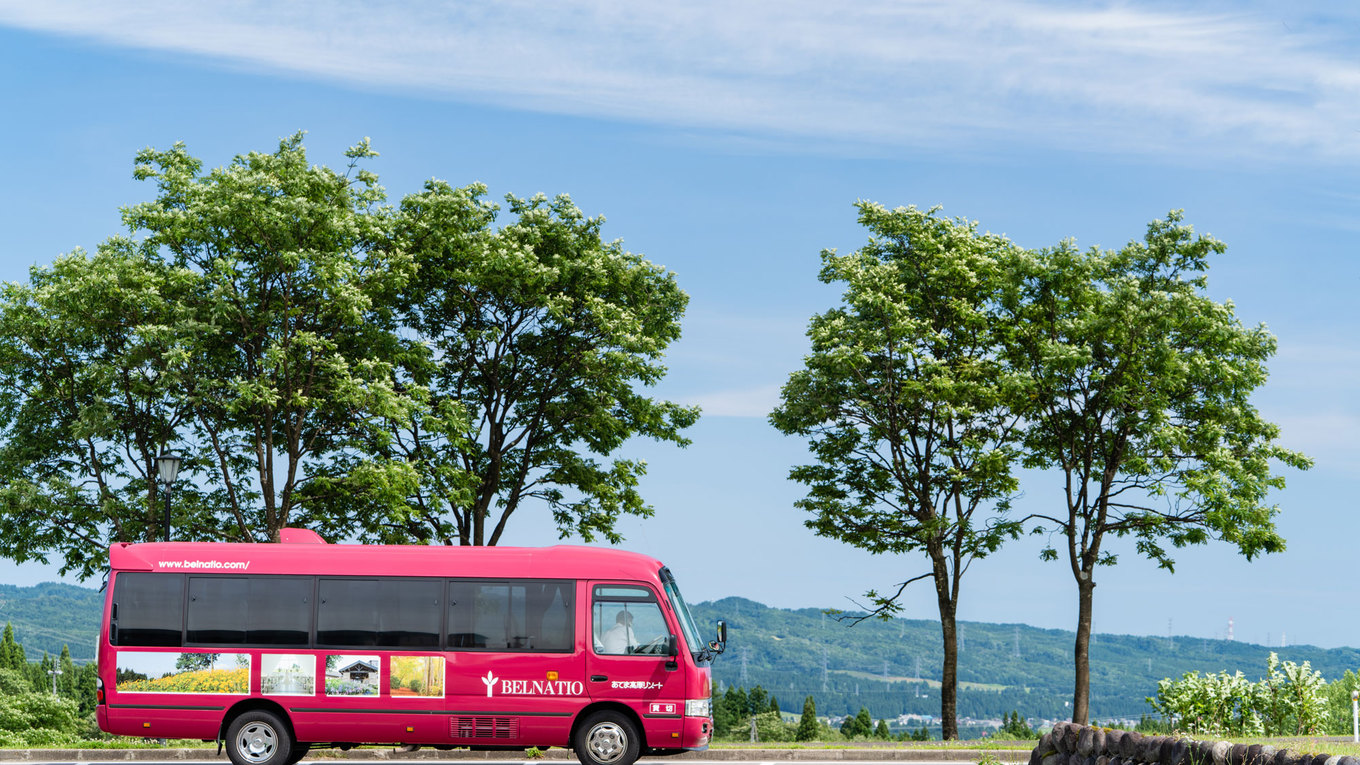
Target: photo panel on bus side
x,y
288,674
416,677
182,672
349,674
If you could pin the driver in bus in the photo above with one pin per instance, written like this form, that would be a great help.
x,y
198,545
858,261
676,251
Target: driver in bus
x,y
620,638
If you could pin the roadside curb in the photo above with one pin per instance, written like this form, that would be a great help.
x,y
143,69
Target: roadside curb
x,y
323,755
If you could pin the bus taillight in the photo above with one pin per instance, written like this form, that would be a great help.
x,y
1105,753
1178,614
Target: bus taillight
x,y
99,690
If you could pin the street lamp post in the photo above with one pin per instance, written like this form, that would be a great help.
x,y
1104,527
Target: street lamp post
x,y
167,469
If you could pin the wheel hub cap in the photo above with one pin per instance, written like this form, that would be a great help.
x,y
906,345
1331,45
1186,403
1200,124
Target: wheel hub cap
x,y
607,742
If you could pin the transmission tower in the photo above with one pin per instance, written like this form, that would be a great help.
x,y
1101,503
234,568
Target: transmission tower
x,y
1017,641
825,671
745,652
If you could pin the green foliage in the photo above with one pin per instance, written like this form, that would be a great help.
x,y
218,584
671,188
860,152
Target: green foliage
x,y
11,653
1337,699
757,700
770,727
247,323
859,725
1288,701
326,360
1015,728
1141,400
536,339
881,730
908,407
807,723
919,734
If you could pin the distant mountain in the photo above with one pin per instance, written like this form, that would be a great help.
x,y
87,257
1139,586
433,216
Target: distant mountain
x,y
50,615
893,667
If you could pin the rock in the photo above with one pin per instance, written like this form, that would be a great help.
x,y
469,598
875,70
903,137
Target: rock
x,y
1268,753
1070,735
1057,734
1346,759
1086,741
1045,746
1114,738
1150,751
1057,758
1098,742
1254,756
1219,751
1179,753
1167,753
1321,759
1283,757
1130,746
1334,759
1204,753
1102,759
1237,755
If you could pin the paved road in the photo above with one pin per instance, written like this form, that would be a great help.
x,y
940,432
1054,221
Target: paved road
x,y
552,756
643,761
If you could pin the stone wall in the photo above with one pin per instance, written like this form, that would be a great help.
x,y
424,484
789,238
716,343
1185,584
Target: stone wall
x,y
1071,744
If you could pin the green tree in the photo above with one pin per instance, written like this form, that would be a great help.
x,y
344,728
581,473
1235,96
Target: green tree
x,y
86,403
67,680
190,662
757,701
864,723
881,731
807,724
246,321
1141,403
11,653
774,705
535,340
909,408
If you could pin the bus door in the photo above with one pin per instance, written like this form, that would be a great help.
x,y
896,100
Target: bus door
x,y
516,670
630,658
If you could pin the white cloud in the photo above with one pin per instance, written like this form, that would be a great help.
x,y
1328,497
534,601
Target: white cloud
x,y
956,73
743,402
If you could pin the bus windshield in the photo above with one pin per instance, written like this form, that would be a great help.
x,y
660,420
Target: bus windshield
x,y
682,613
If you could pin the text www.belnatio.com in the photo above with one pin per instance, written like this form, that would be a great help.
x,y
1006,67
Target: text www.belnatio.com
x,y
221,565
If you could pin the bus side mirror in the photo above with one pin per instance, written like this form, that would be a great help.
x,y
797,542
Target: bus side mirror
x,y
722,631
672,646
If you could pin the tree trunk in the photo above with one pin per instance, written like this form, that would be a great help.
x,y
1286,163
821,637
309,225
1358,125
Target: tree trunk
x,y
949,673
1081,694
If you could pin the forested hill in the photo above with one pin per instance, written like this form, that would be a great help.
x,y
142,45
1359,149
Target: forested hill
x,y
1002,667
47,616
890,667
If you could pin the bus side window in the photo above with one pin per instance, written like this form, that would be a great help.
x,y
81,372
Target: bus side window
x,y
150,609
628,621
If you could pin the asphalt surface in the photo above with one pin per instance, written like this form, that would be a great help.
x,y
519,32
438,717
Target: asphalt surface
x,y
375,755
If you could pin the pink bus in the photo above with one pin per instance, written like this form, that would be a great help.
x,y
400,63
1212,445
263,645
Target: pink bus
x,y
273,649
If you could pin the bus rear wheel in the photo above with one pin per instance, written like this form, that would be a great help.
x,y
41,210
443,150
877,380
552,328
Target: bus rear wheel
x,y
607,738
258,737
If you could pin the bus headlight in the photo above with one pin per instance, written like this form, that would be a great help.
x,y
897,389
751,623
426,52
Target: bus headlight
x,y
698,707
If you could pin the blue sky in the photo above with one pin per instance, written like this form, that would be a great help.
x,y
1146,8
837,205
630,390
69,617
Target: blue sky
x,y
729,144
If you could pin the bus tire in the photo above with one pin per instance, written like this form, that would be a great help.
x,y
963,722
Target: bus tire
x,y
259,737
300,750
607,737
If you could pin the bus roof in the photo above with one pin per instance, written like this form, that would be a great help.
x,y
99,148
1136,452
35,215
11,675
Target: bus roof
x,y
302,552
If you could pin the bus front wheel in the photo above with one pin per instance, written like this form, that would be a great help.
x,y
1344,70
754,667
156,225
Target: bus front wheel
x,y
258,737
607,738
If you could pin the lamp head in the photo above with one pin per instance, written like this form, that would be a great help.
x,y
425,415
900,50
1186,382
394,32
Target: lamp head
x,y
167,467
